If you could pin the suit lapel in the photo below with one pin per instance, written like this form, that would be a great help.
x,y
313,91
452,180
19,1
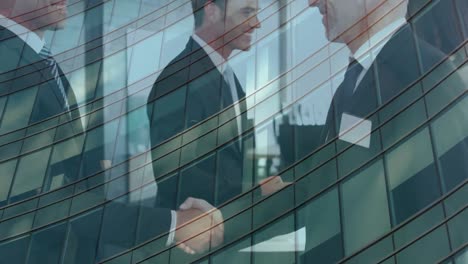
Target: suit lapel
x,y
364,99
202,66
389,73
205,66
31,63
368,94
240,91
362,102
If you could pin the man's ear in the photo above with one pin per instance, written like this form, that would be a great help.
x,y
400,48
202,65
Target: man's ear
x,y
212,12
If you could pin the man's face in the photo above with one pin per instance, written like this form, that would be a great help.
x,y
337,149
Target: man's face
x,y
43,14
240,22
343,19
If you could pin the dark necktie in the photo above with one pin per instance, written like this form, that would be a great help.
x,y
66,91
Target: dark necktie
x,y
54,70
342,98
346,90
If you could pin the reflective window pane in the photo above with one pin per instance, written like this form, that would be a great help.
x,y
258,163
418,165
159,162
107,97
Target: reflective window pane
x,y
321,219
365,207
407,172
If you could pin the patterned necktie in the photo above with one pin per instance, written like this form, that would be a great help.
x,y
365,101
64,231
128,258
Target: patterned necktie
x,y
53,67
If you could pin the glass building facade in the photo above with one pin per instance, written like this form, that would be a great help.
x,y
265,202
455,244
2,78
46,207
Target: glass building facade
x,y
144,128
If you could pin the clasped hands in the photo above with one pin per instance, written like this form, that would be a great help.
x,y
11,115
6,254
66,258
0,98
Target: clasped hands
x,y
200,224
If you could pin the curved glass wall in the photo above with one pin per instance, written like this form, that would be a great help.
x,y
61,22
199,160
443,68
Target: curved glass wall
x,y
132,112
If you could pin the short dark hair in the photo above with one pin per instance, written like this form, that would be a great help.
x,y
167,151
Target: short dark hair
x,y
199,12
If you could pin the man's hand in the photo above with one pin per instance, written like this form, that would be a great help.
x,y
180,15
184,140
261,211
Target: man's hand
x,y
193,230
272,184
199,224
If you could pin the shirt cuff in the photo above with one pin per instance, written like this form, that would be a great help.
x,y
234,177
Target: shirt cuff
x,y
172,230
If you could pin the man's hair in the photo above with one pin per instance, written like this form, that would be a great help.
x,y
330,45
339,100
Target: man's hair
x,y
199,12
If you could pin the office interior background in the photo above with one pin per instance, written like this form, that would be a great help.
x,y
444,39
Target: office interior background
x,y
341,207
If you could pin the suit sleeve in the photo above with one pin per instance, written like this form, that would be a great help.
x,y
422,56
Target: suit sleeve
x,y
155,222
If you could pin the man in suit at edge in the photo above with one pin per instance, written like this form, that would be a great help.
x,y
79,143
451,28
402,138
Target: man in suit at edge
x,y
35,96
199,83
386,57
34,88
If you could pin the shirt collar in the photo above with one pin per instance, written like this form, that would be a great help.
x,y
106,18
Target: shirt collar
x,y
28,36
214,55
366,56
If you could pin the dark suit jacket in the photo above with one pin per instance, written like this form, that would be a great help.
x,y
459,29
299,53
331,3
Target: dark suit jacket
x,y
402,61
188,91
28,104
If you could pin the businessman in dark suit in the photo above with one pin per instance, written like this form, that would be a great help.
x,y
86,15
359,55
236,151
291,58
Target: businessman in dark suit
x,y
36,96
386,59
200,83
40,127
196,85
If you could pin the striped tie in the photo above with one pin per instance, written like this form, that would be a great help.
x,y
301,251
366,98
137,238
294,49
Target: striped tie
x,y
47,55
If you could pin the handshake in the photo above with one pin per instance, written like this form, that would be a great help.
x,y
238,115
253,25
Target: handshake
x,y
201,226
